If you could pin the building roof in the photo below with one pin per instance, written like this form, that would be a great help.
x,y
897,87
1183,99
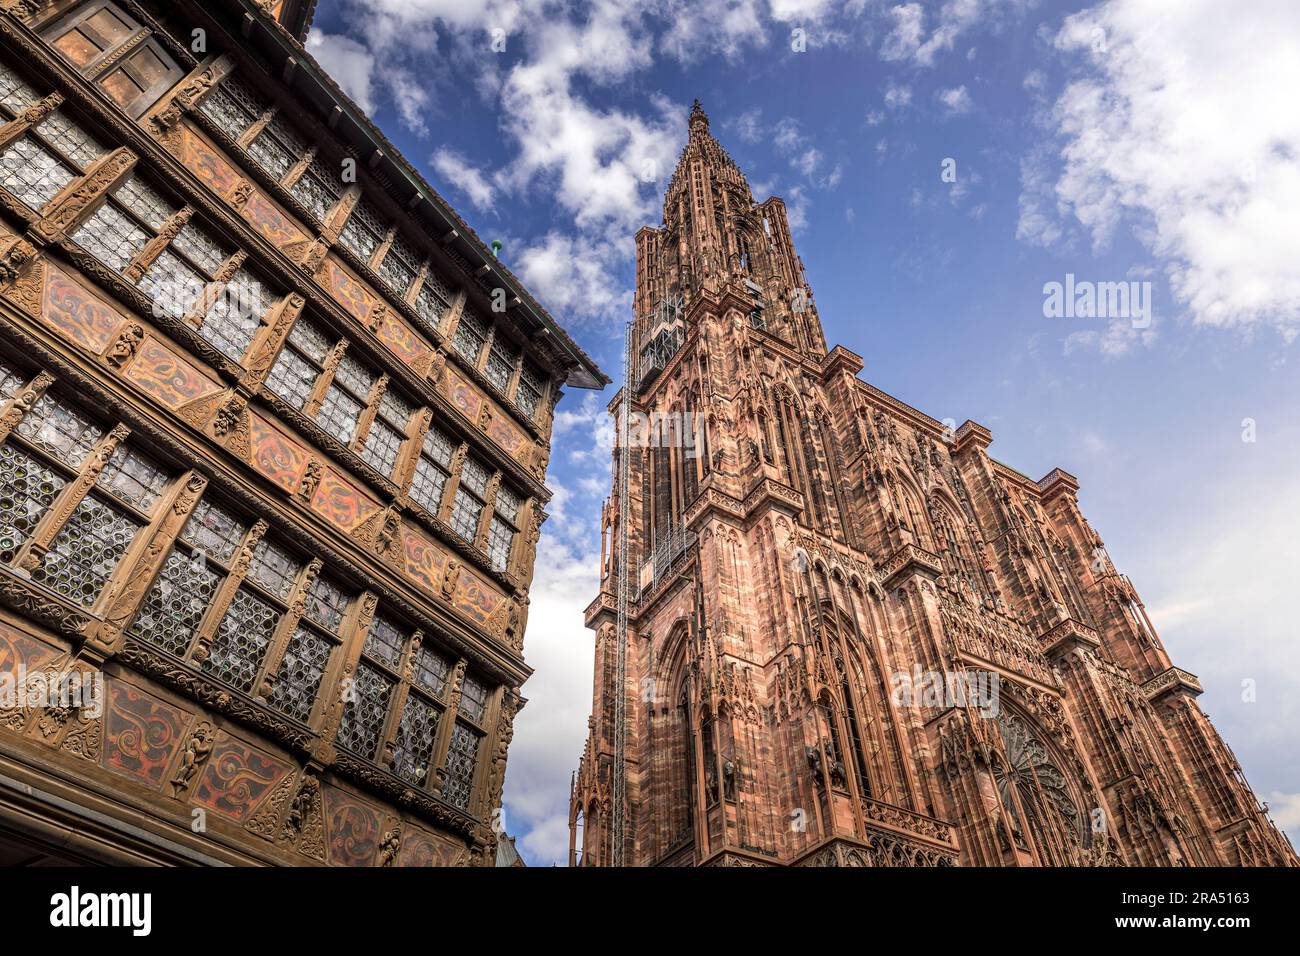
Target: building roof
x,y
306,77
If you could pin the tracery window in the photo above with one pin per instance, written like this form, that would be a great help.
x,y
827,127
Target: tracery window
x,y
66,539
120,55
1036,793
44,158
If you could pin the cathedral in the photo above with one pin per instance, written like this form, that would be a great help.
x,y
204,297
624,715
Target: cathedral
x,y
832,631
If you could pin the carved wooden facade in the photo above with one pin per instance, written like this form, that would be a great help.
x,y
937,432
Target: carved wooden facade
x,y
818,550
273,430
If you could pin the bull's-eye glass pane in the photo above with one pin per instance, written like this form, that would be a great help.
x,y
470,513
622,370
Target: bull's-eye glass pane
x,y
234,106
274,568
27,489
10,381
83,556
500,538
214,531
146,202
292,377
363,720
384,642
71,140
471,333
236,314
173,284
60,430
300,673
15,94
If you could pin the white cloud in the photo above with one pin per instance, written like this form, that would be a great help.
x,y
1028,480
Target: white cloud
x,y
955,101
572,278
350,64
908,41
897,96
1175,131
461,173
551,730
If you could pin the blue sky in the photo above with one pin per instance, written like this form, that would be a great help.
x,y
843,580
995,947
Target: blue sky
x,y
1123,140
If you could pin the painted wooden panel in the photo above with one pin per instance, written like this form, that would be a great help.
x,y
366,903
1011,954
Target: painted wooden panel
x,y
237,777
276,455
164,375
142,734
80,315
340,502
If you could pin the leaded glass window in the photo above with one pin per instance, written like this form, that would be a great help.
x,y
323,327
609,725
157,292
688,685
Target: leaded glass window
x,y
10,381
504,525
528,394
430,305
234,106
244,635
28,487
471,333
431,670
468,507
190,576
300,362
317,189
417,734
384,642
362,726
502,358
51,443
48,156
462,755
364,230
277,148
432,469
15,92
399,266
234,317
345,400
300,674
177,278
387,432
473,699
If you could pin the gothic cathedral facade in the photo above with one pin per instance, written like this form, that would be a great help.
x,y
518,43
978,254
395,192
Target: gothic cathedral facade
x,y
824,584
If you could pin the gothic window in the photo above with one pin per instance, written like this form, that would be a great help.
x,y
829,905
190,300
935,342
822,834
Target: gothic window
x,y
383,441
471,334
364,230
46,157
504,527
470,497
432,470
76,555
1035,793
109,47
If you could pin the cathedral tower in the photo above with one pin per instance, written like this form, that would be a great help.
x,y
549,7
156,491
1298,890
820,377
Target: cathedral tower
x,y
844,634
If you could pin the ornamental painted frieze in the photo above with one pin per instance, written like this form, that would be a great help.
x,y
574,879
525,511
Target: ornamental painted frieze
x,y
341,503
208,165
357,300
467,399
353,828
237,777
20,655
275,455
73,310
164,375
142,734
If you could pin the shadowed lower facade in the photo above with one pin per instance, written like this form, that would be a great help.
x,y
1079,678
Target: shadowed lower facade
x,y
847,635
